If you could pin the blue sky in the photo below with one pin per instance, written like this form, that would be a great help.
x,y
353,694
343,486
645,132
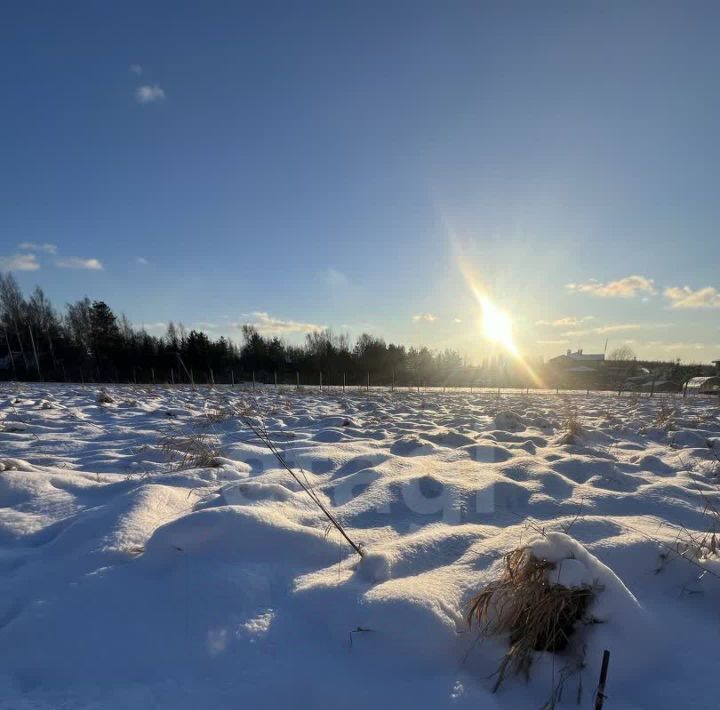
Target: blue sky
x,y
297,164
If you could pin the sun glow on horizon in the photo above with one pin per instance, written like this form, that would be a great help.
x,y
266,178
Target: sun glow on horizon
x,y
497,325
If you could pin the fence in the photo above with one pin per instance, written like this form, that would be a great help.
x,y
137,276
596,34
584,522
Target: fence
x,y
320,381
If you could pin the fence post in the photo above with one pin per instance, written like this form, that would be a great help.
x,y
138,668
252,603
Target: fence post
x,y
600,693
253,386
172,376
152,371
64,373
297,380
368,382
232,378
134,375
321,380
275,374
392,387
343,382
212,377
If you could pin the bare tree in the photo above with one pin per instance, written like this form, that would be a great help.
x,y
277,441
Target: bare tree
x,y
623,353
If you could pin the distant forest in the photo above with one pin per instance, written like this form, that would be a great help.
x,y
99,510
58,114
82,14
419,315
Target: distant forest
x,y
90,342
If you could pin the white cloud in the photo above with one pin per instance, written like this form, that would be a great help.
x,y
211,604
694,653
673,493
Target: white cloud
x,y
147,94
566,322
19,262
618,328
552,342
142,261
627,287
424,317
674,346
34,246
604,329
336,279
75,262
269,325
136,69
685,297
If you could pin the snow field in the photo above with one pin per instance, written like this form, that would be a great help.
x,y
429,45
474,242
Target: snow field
x,y
130,576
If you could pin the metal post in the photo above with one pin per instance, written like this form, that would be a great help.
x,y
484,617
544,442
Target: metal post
x,y
343,381
172,376
275,379
253,381
600,693
368,381
152,371
321,380
392,387
232,378
297,380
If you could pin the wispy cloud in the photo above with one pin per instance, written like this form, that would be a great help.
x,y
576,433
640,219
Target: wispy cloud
x,y
685,297
552,342
424,317
149,93
680,345
136,69
336,279
76,262
269,325
566,322
604,329
34,246
19,262
627,287
142,261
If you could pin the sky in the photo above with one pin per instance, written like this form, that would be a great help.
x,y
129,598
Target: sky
x,y
347,164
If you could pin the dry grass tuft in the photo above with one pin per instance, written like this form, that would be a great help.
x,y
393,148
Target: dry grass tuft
x,y
103,397
665,416
200,450
574,430
538,615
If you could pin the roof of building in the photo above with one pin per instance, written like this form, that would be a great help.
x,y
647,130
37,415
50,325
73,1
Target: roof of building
x,y
703,384
579,356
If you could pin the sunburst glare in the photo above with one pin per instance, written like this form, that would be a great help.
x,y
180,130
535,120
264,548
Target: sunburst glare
x,y
497,325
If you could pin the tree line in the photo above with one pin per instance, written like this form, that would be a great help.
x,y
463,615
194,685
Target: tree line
x,y
88,341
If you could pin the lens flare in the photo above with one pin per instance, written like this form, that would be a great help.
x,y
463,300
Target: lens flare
x,y
497,325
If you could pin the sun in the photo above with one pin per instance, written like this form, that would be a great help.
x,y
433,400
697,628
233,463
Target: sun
x,y
497,325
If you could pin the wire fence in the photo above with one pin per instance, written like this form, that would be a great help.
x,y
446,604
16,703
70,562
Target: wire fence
x,y
262,381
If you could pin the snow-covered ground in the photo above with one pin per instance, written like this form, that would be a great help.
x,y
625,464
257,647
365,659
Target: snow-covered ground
x,y
132,578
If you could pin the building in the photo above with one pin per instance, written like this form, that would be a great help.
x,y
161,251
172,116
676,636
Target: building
x,y
703,385
578,359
